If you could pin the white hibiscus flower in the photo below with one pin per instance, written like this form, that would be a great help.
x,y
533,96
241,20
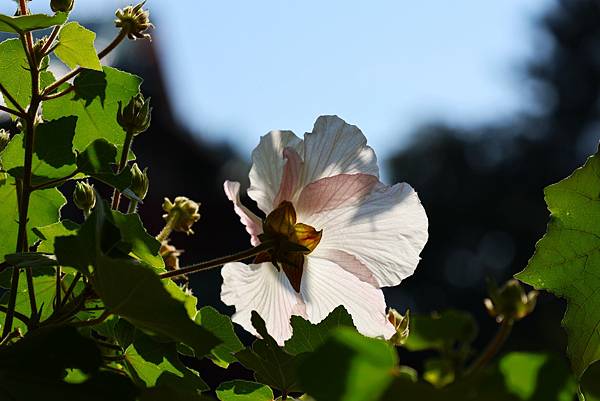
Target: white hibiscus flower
x,y
341,234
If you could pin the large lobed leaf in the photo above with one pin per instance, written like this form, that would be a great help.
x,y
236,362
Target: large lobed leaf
x,y
567,259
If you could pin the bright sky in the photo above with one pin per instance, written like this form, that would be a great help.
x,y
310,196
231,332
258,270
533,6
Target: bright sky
x,y
240,68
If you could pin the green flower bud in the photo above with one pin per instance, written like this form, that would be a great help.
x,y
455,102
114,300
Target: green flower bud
x,y
134,21
62,5
84,196
181,214
4,139
401,324
135,117
509,301
139,181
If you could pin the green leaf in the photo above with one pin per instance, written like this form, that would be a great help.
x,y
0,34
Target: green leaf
x,y
440,331
76,47
567,259
241,390
222,328
348,367
307,336
155,364
34,369
143,246
95,103
537,377
44,209
14,72
270,363
48,233
53,151
97,161
590,385
25,23
44,282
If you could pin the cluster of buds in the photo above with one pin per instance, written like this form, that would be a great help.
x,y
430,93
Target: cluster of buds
x,y
62,5
170,255
134,21
401,324
38,49
4,139
509,302
84,197
135,117
139,181
181,214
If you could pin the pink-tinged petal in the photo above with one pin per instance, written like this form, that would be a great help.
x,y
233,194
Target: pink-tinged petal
x,y
351,264
326,285
260,287
267,166
250,220
335,147
334,192
386,232
291,175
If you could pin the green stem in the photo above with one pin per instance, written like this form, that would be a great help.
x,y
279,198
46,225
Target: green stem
x,y
57,299
164,234
44,52
133,204
493,347
71,289
124,156
55,182
51,88
218,261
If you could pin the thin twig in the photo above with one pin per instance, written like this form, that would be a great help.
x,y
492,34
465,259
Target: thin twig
x,y
92,322
11,111
44,52
70,289
493,347
18,315
55,182
265,246
12,100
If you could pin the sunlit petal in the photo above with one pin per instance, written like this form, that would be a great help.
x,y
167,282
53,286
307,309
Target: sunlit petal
x,y
385,232
326,285
267,166
250,220
262,288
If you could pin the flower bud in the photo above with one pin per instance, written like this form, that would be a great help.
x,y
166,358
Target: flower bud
x,y
135,117
170,255
62,5
509,301
181,214
401,324
134,21
84,196
139,181
4,139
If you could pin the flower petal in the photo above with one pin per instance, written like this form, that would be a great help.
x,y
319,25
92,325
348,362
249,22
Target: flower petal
x,y
267,166
262,288
333,192
325,285
290,177
335,147
250,220
386,232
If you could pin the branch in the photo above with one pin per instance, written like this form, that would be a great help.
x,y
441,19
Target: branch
x,y
11,99
493,347
11,111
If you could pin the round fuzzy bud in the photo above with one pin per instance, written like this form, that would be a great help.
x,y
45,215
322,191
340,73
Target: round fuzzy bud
x,y
4,139
181,214
134,21
401,324
62,5
139,181
84,196
509,301
135,117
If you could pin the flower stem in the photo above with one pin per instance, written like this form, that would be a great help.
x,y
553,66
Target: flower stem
x,y
493,347
210,264
124,156
53,35
132,208
164,234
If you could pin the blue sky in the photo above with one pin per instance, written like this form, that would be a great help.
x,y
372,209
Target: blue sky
x,y
240,68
